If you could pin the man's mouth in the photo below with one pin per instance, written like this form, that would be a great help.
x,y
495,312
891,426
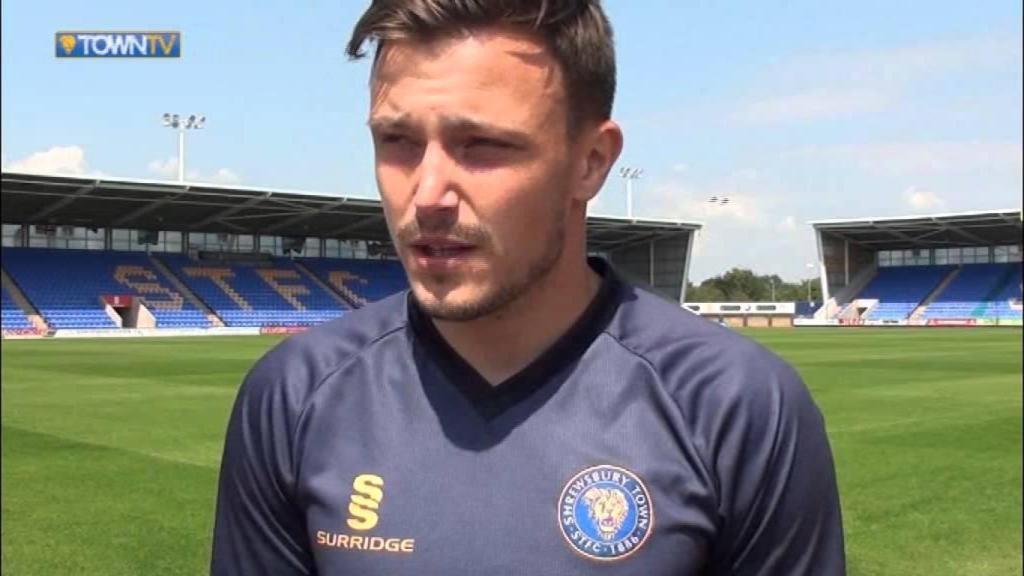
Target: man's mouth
x,y
434,251
441,250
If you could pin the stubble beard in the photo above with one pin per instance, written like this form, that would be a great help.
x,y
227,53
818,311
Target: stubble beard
x,y
506,291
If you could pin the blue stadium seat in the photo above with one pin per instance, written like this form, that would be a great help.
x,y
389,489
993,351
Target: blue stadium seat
x,y
13,316
900,289
370,280
272,293
979,291
66,286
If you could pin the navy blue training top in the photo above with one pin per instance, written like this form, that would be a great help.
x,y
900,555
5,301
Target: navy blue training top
x,y
646,441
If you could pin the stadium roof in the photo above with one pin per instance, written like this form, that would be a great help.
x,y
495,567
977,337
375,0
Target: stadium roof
x,y
103,202
988,228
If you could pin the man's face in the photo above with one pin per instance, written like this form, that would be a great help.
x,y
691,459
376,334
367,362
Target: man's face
x,y
473,162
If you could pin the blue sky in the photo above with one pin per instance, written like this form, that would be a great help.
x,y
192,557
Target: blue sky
x,y
796,110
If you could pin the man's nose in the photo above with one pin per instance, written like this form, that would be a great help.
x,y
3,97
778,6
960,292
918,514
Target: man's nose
x,y
436,199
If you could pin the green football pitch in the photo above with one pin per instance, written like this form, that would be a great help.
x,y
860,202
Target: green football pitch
x,y
111,448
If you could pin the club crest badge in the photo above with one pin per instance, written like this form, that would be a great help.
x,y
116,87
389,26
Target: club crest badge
x,y
605,513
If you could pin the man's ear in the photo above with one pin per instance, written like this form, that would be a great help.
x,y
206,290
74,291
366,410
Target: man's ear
x,y
601,148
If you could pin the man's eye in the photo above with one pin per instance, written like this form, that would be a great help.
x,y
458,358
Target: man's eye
x,y
394,139
487,143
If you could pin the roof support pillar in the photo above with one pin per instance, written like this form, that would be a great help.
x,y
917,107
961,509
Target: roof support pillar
x,y
822,261
846,262
690,238
650,271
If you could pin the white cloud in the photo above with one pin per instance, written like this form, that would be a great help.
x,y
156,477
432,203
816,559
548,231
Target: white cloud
x,y
812,105
831,84
758,228
742,196
787,224
169,169
166,168
904,65
685,202
919,158
680,168
221,176
68,160
922,199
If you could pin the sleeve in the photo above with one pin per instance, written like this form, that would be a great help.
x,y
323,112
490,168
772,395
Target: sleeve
x,y
258,528
779,502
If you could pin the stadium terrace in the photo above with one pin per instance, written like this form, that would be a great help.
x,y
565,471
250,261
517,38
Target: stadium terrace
x,y
107,256
941,270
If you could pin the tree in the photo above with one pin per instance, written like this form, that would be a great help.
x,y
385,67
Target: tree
x,y
742,285
704,293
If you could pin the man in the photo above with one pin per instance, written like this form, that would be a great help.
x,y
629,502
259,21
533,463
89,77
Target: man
x,y
521,410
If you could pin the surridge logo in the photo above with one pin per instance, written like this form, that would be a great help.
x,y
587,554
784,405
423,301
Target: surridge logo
x,y
80,44
363,515
367,493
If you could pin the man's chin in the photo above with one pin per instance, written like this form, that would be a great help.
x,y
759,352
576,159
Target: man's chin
x,y
453,305
435,301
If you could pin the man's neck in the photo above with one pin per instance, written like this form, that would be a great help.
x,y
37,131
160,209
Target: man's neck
x,y
500,345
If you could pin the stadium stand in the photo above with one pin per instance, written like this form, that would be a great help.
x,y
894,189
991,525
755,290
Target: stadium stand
x,y
901,289
13,317
863,261
63,212
273,292
359,281
66,286
979,291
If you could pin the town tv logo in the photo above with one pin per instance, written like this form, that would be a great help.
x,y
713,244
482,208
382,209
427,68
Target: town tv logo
x,y
117,44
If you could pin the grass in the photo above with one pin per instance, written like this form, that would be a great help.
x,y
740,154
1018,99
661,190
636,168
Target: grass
x,y
111,448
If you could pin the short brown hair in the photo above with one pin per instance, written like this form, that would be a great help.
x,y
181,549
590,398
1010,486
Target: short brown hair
x,y
576,31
